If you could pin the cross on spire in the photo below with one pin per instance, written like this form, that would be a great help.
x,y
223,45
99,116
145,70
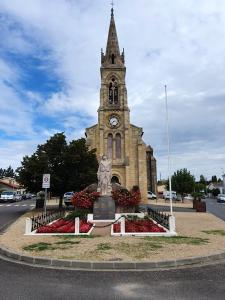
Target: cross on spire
x,y
112,4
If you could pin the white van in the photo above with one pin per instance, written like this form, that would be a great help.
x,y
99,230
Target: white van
x,y
8,196
166,195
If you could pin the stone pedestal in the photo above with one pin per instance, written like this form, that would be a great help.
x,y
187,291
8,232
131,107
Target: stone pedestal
x,y
104,208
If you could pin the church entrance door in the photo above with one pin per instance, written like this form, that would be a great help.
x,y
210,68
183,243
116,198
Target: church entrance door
x,y
115,179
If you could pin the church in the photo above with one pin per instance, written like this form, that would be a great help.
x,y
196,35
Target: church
x,y
133,162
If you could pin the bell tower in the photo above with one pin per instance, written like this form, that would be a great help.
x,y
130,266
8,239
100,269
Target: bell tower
x,y
114,135
113,112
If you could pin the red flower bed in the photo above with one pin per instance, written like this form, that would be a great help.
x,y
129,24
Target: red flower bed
x,y
64,226
139,226
84,200
126,198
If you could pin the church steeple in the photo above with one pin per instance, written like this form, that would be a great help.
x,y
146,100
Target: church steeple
x,y
112,54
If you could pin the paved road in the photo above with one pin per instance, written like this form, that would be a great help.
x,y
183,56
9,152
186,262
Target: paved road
x,y
218,209
167,208
212,206
29,283
9,212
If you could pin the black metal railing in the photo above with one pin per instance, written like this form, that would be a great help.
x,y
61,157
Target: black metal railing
x,y
158,216
45,218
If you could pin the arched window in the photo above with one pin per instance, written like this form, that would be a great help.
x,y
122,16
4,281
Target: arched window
x,y
118,145
113,92
113,59
110,145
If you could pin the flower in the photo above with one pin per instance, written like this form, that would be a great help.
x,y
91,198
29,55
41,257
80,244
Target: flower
x,y
84,200
64,226
125,198
138,226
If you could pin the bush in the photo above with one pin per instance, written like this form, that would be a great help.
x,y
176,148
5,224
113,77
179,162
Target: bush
x,y
82,214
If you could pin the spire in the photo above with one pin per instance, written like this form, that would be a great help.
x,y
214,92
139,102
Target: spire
x,y
112,42
112,54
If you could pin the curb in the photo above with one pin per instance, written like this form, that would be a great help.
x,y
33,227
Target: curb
x,y
111,265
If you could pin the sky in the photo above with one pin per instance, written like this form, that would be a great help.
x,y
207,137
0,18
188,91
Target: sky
x,y
50,79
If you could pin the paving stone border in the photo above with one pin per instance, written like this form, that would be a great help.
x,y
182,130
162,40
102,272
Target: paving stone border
x,y
109,265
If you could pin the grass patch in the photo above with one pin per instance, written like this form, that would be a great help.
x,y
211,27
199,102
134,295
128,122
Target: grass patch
x,y
67,237
138,250
177,240
50,246
215,232
153,244
104,246
66,242
129,248
39,247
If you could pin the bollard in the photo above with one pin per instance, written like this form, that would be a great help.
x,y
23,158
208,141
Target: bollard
x,y
122,225
77,225
172,224
28,226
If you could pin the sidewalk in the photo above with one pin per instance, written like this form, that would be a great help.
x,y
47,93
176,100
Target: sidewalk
x,y
162,202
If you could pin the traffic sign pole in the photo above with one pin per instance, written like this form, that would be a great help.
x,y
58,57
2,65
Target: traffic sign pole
x,y
46,186
45,201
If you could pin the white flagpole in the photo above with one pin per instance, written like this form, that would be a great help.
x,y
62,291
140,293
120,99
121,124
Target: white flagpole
x,y
168,152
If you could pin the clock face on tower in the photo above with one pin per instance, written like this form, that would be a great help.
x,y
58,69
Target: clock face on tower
x,y
113,121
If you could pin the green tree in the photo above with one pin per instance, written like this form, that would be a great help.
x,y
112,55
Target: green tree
x,y
182,182
202,179
71,166
215,192
200,188
214,178
9,172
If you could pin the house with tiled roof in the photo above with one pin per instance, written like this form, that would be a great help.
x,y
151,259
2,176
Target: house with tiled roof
x,y
8,184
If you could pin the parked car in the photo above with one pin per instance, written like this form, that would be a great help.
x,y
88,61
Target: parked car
x,y
28,195
18,197
188,197
221,198
23,197
166,195
151,195
8,196
67,198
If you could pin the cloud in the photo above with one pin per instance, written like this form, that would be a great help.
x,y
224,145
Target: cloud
x,y
54,47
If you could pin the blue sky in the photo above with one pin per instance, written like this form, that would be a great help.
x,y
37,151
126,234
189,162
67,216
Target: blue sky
x,y
50,80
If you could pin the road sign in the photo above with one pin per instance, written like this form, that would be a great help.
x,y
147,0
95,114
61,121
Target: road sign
x,y
46,181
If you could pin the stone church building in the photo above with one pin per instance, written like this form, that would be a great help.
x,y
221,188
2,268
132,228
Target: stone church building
x,y
133,162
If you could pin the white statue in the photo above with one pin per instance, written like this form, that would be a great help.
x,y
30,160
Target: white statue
x,y
104,176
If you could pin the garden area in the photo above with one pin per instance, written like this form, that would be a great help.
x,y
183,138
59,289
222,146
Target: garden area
x,y
199,235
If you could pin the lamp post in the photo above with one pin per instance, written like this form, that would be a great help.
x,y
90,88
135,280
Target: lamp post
x,y
168,152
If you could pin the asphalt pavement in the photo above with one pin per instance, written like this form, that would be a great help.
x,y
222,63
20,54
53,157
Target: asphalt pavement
x,y
215,208
212,206
9,212
30,283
